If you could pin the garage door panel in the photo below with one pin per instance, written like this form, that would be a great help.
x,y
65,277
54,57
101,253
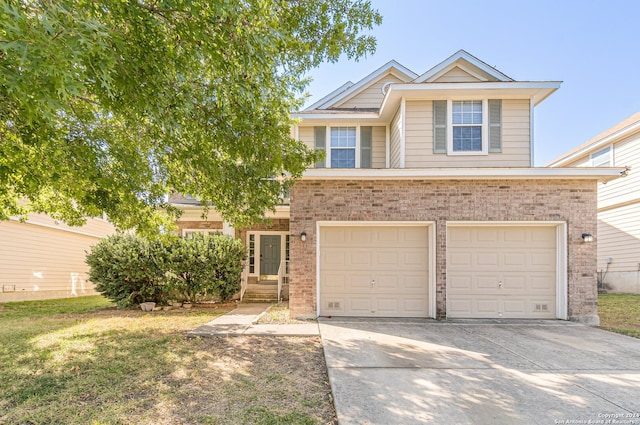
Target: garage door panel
x,y
395,257
501,271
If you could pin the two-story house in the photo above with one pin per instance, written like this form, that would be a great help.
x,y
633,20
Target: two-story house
x,y
618,234
427,204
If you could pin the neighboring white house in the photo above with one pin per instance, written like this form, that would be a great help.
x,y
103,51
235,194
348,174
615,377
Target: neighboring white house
x,y
43,258
618,236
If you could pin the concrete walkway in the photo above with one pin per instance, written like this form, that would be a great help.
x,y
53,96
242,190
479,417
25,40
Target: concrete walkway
x,y
395,371
242,321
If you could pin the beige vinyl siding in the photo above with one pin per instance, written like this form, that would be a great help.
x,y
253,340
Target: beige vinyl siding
x,y
456,75
515,139
379,147
625,153
619,238
369,97
306,135
96,227
38,261
395,136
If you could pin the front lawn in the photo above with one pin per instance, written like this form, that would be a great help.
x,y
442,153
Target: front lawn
x,y
620,313
82,361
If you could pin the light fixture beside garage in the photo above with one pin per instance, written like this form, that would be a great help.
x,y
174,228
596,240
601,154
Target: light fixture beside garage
x,y
587,237
303,236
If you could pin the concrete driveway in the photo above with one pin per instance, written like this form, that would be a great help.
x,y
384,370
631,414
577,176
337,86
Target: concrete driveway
x,y
468,372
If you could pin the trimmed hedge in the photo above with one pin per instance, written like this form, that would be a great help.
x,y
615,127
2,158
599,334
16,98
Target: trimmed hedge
x,y
129,269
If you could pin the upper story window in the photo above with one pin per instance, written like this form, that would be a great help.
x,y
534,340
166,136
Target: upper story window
x,y
602,158
467,127
343,147
347,147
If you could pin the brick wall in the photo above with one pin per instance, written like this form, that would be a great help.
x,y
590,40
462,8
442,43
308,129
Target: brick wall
x,y
573,201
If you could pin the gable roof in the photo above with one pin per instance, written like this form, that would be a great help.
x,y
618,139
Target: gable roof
x,y
607,137
351,90
458,59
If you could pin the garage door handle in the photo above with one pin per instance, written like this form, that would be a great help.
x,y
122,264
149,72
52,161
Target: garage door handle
x,y
373,283
500,284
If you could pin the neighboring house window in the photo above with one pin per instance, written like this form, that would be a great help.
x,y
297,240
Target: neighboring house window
x,y
602,158
347,147
467,127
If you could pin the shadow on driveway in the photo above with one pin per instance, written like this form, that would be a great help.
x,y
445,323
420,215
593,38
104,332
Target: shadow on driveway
x,y
392,371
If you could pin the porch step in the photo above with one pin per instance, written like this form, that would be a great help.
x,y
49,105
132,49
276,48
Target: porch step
x,y
260,293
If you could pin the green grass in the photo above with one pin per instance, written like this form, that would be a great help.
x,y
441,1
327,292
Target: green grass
x,y
620,313
83,361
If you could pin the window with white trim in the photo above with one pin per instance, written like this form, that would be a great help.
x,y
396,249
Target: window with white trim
x,y
466,123
343,147
602,158
346,147
467,127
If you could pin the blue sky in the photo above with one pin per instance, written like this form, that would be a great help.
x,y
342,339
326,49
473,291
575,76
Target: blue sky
x,y
592,46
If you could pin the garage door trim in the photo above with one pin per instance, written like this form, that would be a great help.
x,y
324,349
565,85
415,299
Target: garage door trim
x,y
561,252
431,235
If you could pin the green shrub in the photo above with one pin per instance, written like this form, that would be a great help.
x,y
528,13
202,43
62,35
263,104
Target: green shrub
x,y
205,265
129,269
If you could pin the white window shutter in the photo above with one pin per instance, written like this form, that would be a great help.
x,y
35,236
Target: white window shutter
x,y
495,125
439,126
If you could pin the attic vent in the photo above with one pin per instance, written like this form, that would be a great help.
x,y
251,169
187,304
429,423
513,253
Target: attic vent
x,y
8,288
334,305
542,307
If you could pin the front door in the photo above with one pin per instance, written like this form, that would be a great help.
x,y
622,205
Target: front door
x,y
269,256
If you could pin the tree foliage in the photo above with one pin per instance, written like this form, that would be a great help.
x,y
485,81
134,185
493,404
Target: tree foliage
x,y
109,105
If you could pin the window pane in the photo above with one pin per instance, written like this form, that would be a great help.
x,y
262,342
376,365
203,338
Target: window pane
x,y
343,137
467,111
343,158
467,139
601,158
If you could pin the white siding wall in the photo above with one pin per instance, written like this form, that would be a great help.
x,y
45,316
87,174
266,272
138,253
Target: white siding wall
x,y
371,97
626,153
618,233
515,139
619,238
395,136
46,261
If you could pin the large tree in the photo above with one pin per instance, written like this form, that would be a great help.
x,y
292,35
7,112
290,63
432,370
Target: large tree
x,y
106,106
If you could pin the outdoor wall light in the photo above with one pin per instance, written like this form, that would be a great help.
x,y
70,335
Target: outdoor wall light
x,y
303,236
587,237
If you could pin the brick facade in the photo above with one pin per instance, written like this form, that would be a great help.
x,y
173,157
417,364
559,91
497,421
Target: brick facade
x,y
572,201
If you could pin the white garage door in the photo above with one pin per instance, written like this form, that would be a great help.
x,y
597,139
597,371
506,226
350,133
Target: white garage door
x,y
374,271
501,272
